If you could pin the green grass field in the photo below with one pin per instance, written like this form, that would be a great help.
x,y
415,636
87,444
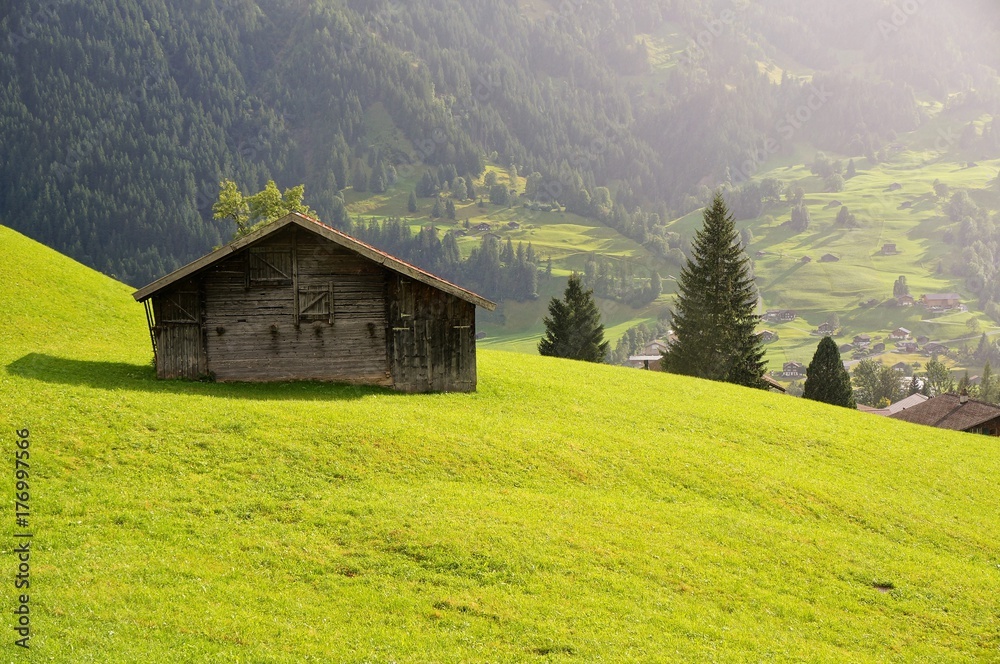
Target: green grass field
x,y
564,512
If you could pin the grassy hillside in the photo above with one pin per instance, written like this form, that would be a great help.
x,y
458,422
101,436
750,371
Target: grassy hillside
x,y
565,512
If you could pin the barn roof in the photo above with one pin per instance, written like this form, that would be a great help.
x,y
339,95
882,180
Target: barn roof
x,y
332,234
948,412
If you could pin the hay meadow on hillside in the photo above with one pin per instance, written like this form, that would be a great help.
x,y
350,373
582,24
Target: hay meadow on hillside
x,y
564,512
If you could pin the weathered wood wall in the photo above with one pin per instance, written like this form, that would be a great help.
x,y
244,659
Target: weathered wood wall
x,y
179,334
433,342
299,307
259,333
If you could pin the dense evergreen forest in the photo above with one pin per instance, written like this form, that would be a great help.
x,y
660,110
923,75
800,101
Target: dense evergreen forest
x,y
120,117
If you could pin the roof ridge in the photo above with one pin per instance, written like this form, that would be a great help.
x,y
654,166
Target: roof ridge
x,y
339,237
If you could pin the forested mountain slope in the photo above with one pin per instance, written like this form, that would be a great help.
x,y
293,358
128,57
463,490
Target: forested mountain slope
x,y
119,117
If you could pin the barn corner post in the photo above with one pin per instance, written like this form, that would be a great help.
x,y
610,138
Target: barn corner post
x,y
151,323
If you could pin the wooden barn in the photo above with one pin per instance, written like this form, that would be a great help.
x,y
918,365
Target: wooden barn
x,y
298,300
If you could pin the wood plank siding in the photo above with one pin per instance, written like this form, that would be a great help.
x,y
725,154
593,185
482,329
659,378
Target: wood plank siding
x,y
295,305
433,343
179,333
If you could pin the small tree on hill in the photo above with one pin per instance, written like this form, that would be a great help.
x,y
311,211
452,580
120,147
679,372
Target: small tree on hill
x,y
800,218
876,382
714,318
846,218
411,204
827,380
900,287
939,379
573,327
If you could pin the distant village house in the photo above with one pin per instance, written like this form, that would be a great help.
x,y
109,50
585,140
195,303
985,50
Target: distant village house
x,y
941,301
935,348
780,315
792,371
649,356
955,412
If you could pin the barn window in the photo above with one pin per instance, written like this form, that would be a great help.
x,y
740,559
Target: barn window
x,y
405,299
180,307
316,304
269,267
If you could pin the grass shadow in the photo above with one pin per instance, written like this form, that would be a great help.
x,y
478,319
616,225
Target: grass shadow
x,y
823,238
142,378
784,275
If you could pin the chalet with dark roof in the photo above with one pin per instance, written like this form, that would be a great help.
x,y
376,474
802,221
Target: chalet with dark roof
x,y
955,412
935,348
298,300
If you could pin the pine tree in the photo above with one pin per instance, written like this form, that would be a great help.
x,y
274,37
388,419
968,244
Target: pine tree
x,y
655,286
459,189
989,390
826,379
411,204
714,318
573,327
900,287
359,178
